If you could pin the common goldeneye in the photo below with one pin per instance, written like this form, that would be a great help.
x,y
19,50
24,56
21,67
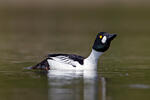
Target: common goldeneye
x,y
75,62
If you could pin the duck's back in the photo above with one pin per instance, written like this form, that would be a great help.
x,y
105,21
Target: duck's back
x,y
61,61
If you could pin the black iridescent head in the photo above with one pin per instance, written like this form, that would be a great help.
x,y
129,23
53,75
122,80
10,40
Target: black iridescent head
x,y
102,41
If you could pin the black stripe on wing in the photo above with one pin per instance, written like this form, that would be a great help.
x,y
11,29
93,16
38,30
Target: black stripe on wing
x,y
73,57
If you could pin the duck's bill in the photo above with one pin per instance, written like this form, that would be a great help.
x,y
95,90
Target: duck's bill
x,y
112,36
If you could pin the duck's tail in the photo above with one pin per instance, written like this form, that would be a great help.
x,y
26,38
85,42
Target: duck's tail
x,y
43,65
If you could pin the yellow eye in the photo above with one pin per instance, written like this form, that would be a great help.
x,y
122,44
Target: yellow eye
x,y
100,36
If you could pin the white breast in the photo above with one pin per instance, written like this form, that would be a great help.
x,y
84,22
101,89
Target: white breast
x,y
88,65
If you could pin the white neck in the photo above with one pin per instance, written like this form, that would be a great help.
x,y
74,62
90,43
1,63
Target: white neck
x,y
92,59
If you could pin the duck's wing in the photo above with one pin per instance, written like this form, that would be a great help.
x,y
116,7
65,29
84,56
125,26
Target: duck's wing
x,y
67,59
62,58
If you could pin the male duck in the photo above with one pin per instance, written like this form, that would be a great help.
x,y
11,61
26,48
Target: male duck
x,y
75,62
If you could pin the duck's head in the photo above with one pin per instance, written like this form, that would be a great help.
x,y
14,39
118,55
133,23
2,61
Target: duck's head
x,y
103,41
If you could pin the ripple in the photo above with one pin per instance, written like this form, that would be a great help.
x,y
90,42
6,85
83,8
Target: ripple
x,y
140,86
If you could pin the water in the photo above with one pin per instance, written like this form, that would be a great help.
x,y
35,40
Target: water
x,y
27,35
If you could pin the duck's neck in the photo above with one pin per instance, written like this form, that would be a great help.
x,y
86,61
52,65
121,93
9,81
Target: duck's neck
x,y
94,56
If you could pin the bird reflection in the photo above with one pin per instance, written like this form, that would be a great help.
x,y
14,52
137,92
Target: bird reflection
x,y
76,85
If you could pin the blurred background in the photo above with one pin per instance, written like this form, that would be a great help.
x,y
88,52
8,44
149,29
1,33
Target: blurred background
x,y
29,30
42,24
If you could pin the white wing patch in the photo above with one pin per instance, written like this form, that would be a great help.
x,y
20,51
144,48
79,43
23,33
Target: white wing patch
x,y
65,60
104,39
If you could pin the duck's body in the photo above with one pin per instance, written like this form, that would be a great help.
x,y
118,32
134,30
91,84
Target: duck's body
x,y
65,62
75,62
69,62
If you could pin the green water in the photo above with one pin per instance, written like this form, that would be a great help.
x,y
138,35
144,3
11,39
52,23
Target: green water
x,y
27,35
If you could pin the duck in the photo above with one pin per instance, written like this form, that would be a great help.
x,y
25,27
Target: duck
x,y
62,61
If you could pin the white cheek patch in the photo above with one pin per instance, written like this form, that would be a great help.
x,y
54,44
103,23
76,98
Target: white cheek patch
x,y
104,39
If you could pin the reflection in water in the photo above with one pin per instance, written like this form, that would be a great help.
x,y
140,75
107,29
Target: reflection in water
x,y
103,81
75,85
90,85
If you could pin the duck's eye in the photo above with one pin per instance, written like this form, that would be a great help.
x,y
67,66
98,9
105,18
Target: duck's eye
x,y
100,36
104,39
